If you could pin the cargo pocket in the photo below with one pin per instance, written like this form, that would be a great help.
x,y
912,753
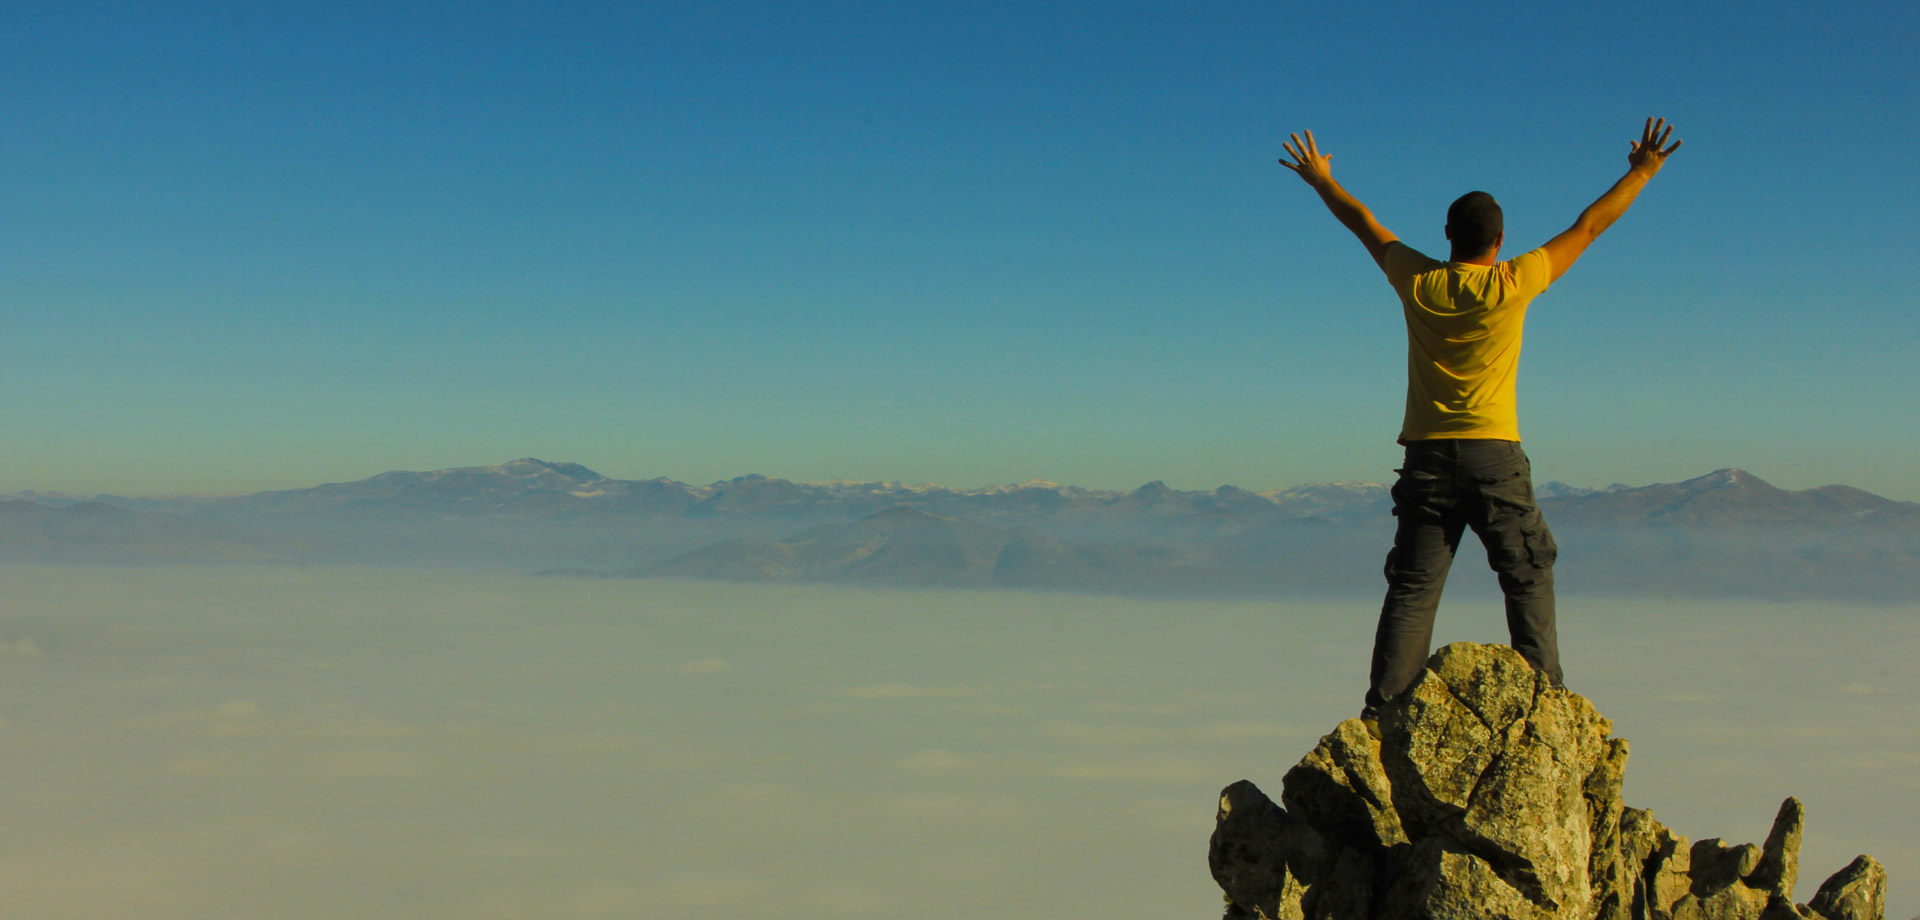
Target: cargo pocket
x,y
1413,494
1541,550
1507,492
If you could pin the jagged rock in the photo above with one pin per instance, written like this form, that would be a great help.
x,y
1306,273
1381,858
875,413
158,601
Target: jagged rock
x,y
1341,789
1780,907
1493,795
1779,864
1486,755
1717,865
1272,865
1858,892
1439,878
1611,868
1252,838
1666,874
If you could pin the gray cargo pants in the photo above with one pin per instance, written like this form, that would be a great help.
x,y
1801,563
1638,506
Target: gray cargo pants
x,y
1445,487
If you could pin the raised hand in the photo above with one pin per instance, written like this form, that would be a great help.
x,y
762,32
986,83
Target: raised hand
x,y
1312,165
1646,154
1317,169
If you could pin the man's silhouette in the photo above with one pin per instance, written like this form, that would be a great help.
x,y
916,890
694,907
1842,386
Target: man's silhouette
x,y
1464,466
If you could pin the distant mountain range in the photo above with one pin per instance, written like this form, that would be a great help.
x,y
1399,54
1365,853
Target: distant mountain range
x,y
1727,532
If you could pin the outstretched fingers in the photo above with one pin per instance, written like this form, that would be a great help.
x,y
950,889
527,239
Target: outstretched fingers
x,y
1657,137
1303,152
1308,162
1654,136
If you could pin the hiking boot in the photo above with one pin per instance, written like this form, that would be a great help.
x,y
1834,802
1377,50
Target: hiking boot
x,y
1370,717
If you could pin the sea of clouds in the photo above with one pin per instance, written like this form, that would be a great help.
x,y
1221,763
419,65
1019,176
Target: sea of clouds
x,y
208,742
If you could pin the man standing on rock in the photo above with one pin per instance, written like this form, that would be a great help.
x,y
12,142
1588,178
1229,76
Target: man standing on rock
x,y
1464,466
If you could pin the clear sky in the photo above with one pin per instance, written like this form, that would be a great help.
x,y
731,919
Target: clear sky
x,y
249,246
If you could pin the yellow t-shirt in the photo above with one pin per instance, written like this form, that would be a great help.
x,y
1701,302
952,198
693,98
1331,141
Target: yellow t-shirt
x,y
1463,341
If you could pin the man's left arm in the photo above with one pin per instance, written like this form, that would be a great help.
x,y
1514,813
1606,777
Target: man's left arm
x,y
1316,169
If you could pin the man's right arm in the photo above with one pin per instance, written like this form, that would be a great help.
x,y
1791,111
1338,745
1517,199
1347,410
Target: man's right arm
x,y
1317,169
1643,161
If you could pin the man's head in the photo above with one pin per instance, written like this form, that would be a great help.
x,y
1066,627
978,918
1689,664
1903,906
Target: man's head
x,y
1474,225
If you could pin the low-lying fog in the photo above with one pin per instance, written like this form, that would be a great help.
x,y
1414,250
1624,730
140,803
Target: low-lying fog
x,y
213,743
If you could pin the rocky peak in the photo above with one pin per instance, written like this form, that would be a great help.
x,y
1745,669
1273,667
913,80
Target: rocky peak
x,y
1729,477
1491,794
534,466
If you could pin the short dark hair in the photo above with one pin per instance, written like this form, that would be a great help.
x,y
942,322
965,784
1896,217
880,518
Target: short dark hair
x,y
1474,222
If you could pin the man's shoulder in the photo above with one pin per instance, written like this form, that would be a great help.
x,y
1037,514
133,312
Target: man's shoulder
x,y
1403,262
1528,258
1400,248
1533,269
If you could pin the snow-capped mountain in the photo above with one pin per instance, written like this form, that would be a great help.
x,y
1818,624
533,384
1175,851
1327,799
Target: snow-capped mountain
x,y
1728,531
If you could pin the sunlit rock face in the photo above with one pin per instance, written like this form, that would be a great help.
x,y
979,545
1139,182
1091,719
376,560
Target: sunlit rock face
x,y
1492,795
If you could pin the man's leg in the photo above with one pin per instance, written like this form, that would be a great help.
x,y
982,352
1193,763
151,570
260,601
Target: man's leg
x,y
1519,547
1424,541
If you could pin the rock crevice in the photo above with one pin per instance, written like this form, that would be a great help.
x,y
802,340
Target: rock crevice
x,y
1492,795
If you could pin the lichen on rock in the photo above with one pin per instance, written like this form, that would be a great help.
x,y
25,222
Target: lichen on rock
x,y
1493,795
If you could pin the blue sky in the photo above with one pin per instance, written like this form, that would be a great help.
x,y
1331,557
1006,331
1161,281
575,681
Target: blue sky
x,y
250,246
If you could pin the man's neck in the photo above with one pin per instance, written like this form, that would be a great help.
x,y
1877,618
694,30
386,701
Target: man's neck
x,y
1490,257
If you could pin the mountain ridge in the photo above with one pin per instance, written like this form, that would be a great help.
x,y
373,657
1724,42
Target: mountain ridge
x,y
497,487
1725,532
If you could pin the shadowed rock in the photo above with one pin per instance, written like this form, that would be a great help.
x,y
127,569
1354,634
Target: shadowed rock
x,y
1341,789
1264,859
1857,892
1779,864
1493,795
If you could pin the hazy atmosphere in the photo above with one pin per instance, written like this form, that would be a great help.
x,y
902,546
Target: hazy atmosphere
x,y
190,742
697,460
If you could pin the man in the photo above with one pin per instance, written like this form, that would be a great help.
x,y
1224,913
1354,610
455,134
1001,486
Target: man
x,y
1464,466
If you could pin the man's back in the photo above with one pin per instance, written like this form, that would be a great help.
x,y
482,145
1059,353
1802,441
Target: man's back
x,y
1464,332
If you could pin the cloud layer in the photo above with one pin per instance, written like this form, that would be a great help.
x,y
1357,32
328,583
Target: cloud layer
x,y
213,743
